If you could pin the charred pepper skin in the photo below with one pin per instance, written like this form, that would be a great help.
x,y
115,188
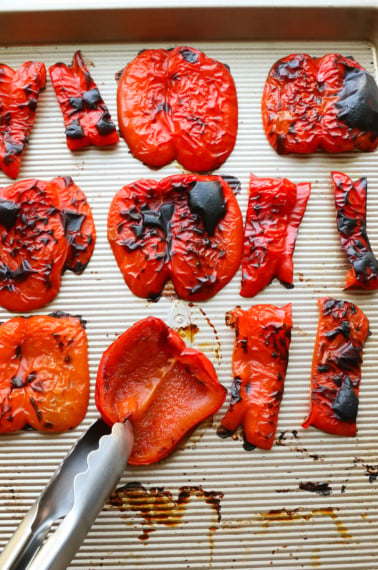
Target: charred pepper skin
x,y
351,198
19,92
187,228
44,373
86,117
45,228
275,210
178,104
165,389
329,103
259,363
336,367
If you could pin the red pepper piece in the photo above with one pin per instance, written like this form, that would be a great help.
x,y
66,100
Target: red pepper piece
x,y
44,373
19,92
149,376
259,363
41,234
187,228
275,210
329,102
336,367
86,117
351,223
178,104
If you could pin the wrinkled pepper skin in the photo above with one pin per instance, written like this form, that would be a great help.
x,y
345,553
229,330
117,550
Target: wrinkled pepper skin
x,y
44,373
350,198
45,228
86,117
275,210
336,367
165,389
187,228
329,103
19,92
259,362
178,104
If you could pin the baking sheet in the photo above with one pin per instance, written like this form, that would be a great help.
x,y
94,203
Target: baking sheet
x,y
212,504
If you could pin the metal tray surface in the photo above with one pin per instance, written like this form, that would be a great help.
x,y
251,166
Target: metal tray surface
x,y
211,504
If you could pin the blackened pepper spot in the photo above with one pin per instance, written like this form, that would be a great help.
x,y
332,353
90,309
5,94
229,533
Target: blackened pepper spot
x,y
72,222
159,218
235,391
346,225
207,200
105,125
345,405
91,98
358,100
76,103
12,149
74,130
8,213
348,357
189,55
343,329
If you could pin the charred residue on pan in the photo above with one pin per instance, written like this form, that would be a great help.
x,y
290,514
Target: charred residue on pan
x,y
320,487
291,440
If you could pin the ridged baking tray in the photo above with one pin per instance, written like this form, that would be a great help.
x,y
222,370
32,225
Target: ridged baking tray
x,y
212,504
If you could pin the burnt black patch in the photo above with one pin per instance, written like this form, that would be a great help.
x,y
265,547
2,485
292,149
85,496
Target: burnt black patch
x,y
92,98
74,130
346,225
8,213
189,55
207,200
105,125
345,405
358,100
72,222
158,218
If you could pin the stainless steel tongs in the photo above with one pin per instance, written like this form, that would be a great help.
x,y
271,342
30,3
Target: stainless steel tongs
x,y
76,494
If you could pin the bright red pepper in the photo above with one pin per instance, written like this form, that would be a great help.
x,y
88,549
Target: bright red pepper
x,y
149,376
329,102
187,228
45,228
86,117
259,363
44,373
178,104
336,367
351,222
19,92
275,210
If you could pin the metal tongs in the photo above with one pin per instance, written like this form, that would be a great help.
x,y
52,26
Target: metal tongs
x,y
76,494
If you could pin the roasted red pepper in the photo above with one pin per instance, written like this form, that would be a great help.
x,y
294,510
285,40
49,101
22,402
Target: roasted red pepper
x,y
86,117
329,102
45,228
44,373
336,367
259,363
178,104
275,210
351,223
19,92
149,376
186,228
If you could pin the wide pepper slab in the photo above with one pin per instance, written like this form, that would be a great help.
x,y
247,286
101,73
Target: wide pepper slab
x,y
187,228
178,104
19,92
87,119
329,102
44,373
275,210
350,199
259,363
336,367
165,389
45,228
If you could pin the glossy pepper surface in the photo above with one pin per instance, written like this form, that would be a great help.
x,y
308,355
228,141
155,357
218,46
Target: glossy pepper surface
x,y
44,374
187,228
178,104
336,367
351,198
19,92
86,117
275,210
45,228
149,376
259,362
329,102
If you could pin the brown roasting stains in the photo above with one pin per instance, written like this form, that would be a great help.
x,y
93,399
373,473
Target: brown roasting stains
x,y
291,440
188,333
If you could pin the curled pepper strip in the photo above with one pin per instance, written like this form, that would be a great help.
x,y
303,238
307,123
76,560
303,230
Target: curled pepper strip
x,y
86,117
351,200
149,376
44,374
275,210
329,102
178,104
259,362
336,367
19,92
